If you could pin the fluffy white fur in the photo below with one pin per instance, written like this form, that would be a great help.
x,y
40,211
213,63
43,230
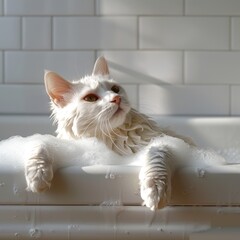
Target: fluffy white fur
x,y
96,107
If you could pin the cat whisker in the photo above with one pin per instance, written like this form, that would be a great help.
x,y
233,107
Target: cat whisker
x,y
108,126
102,118
95,119
89,125
113,131
103,121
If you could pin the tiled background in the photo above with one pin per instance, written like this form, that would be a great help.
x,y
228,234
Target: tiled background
x,y
175,57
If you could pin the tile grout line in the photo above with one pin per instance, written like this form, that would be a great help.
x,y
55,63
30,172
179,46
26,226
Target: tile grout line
x,y
3,67
138,33
138,96
230,34
95,51
184,7
230,100
3,7
51,35
95,8
3,51
183,67
21,33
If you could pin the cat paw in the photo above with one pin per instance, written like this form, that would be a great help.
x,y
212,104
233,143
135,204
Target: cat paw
x,y
155,179
153,193
38,171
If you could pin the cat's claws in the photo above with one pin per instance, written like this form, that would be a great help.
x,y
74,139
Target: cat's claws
x,y
38,186
38,178
38,171
153,194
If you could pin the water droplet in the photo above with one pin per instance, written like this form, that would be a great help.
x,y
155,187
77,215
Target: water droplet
x,y
160,229
17,235
111,203
35,233
2,184
77,227
112,176
219,211
15,189
201,173
27,217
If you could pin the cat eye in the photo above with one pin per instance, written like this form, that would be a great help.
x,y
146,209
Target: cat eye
x,y
91,98
115,88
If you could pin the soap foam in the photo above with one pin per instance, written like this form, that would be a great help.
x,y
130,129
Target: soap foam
x,y
232,154
86,152
12,152
201,157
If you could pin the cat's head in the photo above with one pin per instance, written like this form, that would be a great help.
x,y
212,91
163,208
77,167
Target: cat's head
x,y
85,107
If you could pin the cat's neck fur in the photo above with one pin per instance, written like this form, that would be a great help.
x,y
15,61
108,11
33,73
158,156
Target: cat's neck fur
x,y
136,132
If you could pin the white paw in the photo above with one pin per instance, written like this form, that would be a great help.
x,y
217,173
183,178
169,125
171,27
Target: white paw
x,y
153,193
155,178
38,170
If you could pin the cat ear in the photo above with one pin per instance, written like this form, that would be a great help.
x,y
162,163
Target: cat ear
x,y
56,88
100,67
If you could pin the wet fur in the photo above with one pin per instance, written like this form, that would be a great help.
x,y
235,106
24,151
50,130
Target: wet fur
x,y
121,128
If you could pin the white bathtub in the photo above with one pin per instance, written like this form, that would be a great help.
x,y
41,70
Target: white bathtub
x,y
103,202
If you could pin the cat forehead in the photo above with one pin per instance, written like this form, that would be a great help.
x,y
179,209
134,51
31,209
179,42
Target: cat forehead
x,y
95,82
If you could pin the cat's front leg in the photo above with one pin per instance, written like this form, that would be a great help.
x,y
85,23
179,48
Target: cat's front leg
x,y
38,168
155,177
163,155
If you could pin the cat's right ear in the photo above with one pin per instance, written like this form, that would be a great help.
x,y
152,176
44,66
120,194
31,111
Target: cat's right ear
x,y
100,67
57,88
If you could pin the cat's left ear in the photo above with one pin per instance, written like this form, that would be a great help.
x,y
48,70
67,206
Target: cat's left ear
x,y
57,88
100,67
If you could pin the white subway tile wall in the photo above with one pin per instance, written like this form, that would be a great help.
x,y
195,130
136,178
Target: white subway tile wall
x,y
183,33
10,34
235,99
184,100
1,7
94,33
140,7
235,33
23,99
213,67
1,68
28,66
49,7
212,7
174,57
160,67
40,39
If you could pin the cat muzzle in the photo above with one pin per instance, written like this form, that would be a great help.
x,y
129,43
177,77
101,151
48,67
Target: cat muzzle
x,y
117,100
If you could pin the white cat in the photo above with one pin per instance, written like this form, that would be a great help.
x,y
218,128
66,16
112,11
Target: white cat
x,y
96,106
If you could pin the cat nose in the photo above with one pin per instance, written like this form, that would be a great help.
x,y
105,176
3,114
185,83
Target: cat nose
x,y
117,100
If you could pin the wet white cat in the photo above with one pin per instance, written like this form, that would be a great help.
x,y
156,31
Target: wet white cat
x,y
96,106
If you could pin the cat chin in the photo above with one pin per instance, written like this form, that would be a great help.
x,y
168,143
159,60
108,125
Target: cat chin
x,y
118,117
117,122
118,112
